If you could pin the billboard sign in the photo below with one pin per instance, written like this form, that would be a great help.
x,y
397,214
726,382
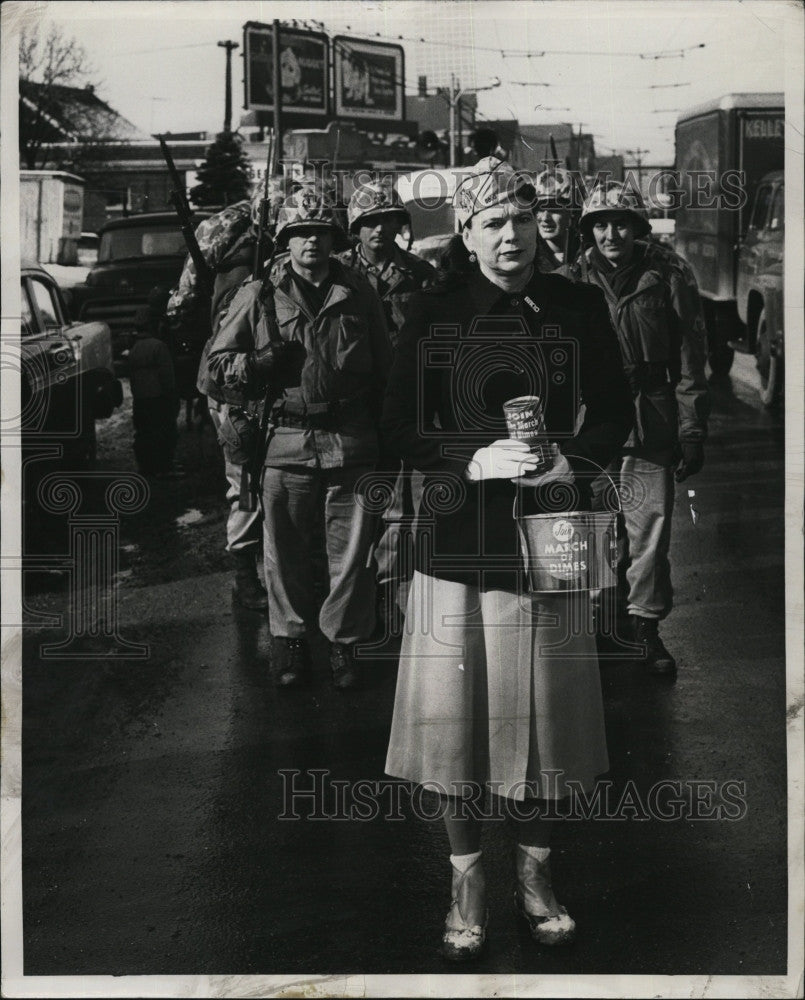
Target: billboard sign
x,y
304,70
369,79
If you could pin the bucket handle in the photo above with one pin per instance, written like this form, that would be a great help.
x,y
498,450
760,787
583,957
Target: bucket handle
x,y
578,458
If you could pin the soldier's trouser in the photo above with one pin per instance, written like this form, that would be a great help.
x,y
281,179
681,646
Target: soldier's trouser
x,y
394,549
291,500
647,486
243,528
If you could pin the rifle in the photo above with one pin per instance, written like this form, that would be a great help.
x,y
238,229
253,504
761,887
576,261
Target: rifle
x,y
179,202
264,210
250,472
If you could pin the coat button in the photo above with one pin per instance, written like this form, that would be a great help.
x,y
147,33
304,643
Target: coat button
x,y
515,301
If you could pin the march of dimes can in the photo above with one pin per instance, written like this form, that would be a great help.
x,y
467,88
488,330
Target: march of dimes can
x,y
525,422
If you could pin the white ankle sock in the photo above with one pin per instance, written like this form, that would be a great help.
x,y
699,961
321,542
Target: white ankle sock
x,y
540,853
463,862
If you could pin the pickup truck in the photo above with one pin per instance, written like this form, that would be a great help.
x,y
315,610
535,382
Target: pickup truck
x,y
135,254
67,376
760,286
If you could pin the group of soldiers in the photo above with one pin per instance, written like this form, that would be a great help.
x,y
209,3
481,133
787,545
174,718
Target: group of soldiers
x,y
295,370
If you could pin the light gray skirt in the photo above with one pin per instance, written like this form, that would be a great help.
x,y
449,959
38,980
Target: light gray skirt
x,y
497,688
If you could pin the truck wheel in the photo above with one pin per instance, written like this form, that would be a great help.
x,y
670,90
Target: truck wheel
x,y
769,366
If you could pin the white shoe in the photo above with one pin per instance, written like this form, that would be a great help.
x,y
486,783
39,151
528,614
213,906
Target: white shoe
x,y
465,925
548,922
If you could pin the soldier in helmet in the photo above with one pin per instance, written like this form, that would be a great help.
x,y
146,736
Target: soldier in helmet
x,y
222,239
376,216
655,308
557,232
310,340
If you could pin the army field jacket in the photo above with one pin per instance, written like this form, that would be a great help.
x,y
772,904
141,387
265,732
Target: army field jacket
x,y
404,275
661,333
345,369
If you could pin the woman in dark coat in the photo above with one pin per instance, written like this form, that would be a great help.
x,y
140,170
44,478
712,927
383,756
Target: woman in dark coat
x,y
481,702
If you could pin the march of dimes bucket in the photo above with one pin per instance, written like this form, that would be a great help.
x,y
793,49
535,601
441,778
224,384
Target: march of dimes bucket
x,y
572,551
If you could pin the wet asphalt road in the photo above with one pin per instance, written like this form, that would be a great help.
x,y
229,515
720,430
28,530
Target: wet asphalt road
x,y
152,787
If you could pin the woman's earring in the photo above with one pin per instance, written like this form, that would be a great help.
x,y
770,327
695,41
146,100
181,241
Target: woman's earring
x,y
473,258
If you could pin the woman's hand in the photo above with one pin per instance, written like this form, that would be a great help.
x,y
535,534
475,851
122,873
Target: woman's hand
x,y
504,459
560,472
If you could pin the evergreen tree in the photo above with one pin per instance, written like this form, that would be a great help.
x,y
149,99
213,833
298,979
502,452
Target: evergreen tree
x,y
225,176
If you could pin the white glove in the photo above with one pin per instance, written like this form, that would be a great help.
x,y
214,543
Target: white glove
x,y
504,459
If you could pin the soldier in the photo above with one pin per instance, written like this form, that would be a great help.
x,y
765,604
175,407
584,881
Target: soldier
x,y
312,343
155,401
224,239
376,216
655,308
557,241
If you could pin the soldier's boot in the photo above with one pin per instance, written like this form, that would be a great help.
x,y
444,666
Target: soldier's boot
x,y
346,672
247,588
658,659
291,662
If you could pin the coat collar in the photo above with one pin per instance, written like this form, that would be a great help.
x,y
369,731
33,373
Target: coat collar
x,y
486,295
342,287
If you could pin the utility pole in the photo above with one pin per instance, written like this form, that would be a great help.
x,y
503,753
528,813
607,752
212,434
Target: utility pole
x,y
454,100
638,155
229,46
276,86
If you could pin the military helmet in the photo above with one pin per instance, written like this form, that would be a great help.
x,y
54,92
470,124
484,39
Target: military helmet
x,y
372,199
554,189
615,197
279,187
310,206
491,181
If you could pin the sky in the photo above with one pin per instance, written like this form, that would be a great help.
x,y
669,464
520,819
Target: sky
x,y
616,69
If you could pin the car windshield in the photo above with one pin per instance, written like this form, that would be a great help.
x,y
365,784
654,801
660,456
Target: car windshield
x,y
153,241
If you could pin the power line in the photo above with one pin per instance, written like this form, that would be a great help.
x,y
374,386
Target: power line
x,y
513,53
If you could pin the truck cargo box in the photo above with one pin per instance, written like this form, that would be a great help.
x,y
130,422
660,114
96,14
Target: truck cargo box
x,y
723,149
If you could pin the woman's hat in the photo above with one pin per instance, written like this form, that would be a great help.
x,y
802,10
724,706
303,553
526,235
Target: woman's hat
x,y
492,181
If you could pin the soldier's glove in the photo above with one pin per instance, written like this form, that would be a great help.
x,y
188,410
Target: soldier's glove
x,y
691,462
280,363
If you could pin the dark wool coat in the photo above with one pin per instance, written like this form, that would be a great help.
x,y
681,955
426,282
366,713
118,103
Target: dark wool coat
x,y
467,347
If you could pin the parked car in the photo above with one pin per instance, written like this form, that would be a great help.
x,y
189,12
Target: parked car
x,y
134,255
760,285
67,374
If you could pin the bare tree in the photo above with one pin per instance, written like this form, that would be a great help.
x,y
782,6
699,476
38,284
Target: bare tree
x,y
46,64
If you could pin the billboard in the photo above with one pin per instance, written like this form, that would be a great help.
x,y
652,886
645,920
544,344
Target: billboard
x,y
369,79
304,70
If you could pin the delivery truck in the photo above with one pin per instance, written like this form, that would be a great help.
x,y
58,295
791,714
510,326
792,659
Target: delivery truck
x,y
724,148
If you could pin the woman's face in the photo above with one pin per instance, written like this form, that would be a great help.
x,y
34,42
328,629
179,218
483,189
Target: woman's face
x,y
504,239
